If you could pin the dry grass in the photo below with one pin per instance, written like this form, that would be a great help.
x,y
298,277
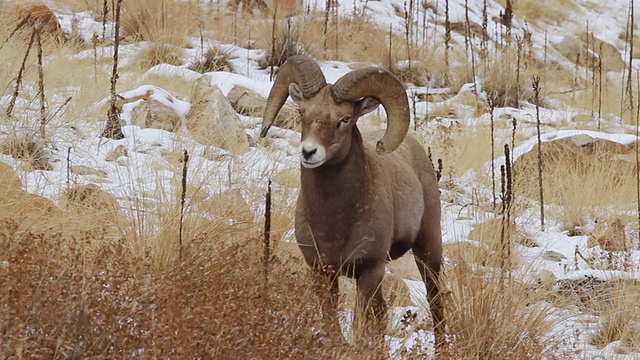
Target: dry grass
x,y
105,297
488,321
165,21
580,184
536,11
620,320
215,59
72,288
158,53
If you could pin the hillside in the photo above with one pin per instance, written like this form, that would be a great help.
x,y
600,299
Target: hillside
x,y
149,243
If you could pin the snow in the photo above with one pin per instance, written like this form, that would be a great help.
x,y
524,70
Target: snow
x,y
147,170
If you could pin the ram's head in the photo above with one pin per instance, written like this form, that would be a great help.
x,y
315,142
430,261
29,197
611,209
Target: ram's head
x,y
330,111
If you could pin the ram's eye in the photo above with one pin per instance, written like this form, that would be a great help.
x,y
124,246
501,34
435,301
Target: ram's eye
x,y
344,120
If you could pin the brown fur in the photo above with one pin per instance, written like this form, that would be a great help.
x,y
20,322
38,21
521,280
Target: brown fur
x,y
359,209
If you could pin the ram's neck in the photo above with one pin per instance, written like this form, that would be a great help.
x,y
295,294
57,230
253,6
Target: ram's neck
x,y
338,188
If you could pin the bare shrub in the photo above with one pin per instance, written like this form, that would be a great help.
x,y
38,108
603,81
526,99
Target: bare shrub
x,y
285,45
28,149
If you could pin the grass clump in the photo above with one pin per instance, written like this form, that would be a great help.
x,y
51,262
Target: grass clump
x,y
286,45
28,149
215,59
487,320
158,53
159,20
620,320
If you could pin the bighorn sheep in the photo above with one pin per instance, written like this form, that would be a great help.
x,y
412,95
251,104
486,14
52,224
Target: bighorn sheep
x,y
361,203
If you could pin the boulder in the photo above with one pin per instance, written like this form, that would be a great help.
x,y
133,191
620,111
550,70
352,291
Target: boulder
x,y
577,159
152,113
610,236
10,183
17,205
250,103
116,153
213,121
29,15
90,200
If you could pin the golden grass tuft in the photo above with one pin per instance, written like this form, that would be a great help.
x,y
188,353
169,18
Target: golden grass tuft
x,y
215,59
27,149
549,12
581,181
620,320
488,321
166,21
158,53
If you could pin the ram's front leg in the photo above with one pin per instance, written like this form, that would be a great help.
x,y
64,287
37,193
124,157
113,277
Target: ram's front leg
x,y
328,292
371,305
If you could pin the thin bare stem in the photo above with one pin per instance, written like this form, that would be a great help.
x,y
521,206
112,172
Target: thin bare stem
x,y
183,195
493,154
113,130
16,90
536,91
267,233
43,109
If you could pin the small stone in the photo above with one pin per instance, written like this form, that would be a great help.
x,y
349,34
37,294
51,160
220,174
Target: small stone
x,y
552,256
86,170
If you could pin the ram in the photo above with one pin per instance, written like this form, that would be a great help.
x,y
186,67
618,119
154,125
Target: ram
x,y
361,203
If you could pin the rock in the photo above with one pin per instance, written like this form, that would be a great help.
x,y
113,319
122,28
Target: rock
x,y
91,200
288,178
229,204
10,183
86,170
116,153
39,14
249,103
490,232
552,256
609,236
546,279
19,206
213,121
154,114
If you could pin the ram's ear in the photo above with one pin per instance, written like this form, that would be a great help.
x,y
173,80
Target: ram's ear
x,y
295,92
365,106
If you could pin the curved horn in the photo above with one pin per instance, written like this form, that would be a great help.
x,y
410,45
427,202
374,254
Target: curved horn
x,y
298,69
388,90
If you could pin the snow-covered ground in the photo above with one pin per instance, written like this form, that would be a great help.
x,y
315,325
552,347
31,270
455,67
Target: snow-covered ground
x,y
147,167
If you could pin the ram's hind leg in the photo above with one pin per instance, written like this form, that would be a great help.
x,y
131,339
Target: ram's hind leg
x,y
428,256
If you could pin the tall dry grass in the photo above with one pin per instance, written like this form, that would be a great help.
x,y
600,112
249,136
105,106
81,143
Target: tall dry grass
x,y
84,296
487,320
